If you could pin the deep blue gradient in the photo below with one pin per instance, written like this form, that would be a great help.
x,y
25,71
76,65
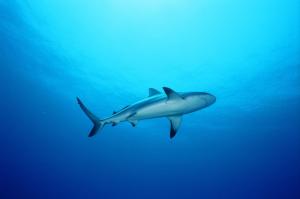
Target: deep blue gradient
x,y
109,52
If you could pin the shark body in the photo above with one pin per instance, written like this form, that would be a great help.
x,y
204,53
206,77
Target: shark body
x,y
170,104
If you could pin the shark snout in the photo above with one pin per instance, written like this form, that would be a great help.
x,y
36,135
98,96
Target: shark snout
x,y
213,98
210,99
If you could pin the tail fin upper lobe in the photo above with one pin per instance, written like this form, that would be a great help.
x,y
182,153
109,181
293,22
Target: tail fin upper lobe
x,y
98,124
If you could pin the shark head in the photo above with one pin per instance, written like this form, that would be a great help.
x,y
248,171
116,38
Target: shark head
x,y
199,100
208,98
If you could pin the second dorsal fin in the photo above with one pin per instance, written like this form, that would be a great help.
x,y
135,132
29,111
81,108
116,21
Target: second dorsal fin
x,y
153,92
172,94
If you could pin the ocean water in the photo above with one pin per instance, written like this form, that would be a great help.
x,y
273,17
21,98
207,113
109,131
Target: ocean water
x,y
109,52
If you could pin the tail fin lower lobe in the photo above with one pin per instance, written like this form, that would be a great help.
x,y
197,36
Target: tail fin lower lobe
x,y
98,124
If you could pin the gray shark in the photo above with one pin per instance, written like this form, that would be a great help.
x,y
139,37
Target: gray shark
x,y
170,104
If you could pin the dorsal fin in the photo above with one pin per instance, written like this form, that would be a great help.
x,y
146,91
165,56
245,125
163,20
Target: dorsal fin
x,y
153,92
172,94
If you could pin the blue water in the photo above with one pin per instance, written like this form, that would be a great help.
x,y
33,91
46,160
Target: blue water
x,y
109,52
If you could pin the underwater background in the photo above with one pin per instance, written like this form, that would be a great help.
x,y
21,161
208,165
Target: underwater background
x,y
109,52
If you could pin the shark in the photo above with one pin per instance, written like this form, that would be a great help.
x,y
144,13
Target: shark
x,y
170,104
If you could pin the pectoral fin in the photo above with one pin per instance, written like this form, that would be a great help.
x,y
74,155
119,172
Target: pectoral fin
x,y
153,92
175,122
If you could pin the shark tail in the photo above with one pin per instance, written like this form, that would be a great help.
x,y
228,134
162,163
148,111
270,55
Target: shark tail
x,y
98,124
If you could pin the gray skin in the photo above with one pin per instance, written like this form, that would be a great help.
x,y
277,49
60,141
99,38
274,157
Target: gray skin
x,y
171,104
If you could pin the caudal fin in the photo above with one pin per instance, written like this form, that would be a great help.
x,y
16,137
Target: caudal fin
x,y
98,124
